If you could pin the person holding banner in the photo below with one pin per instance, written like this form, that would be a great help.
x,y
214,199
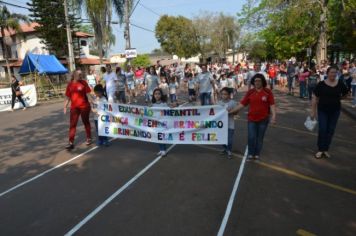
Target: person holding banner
x,y
99,98
160,100
261,103
77,94
16,93
229,104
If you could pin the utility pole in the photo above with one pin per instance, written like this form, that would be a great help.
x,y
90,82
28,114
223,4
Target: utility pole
x,y
127,27
69,39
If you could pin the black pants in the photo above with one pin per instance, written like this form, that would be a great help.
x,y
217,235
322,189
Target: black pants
x,y
19,98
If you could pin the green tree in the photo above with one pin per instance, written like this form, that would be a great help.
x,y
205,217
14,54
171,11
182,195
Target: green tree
x,y
100,13
177,36
9,21
225,34
51,28
289,27
142,60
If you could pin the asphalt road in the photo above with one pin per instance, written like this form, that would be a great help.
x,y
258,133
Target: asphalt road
x,y
288,192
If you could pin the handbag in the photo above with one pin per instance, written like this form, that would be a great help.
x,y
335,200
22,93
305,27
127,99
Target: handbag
x,y
310,124
18,93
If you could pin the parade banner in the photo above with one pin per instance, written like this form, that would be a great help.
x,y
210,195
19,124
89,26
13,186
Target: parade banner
x,y
181,125
29,96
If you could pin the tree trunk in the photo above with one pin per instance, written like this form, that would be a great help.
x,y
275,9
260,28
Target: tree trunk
x,y
4,53
321,47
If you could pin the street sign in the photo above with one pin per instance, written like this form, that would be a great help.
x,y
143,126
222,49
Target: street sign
x,y
131,53
309,52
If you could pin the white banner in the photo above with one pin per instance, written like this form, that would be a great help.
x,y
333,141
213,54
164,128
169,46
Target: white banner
x,y
29,96
182,125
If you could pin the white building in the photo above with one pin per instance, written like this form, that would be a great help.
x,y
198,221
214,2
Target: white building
x,y
18,44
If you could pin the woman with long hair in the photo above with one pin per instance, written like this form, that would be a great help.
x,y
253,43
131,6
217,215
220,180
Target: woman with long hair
x,y
77,95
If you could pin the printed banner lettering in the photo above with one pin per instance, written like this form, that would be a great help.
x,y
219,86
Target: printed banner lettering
x,y
181,125
29,96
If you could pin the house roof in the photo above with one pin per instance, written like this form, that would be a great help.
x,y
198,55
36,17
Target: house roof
x,y
29,28
91,61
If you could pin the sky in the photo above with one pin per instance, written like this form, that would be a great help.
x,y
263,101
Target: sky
x,y
145,41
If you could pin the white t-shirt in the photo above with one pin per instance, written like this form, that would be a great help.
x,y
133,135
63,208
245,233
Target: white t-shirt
x,y
223,83
165,88
204,80
229,105
191,84
95,105
110,83
91,80
173,88
152,82
231,82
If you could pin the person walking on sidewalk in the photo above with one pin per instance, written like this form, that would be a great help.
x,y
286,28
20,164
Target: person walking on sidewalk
x,y
326,105
77,94
16,93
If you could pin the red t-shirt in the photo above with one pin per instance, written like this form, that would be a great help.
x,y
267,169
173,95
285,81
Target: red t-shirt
x,y
260,102
76,91
272,73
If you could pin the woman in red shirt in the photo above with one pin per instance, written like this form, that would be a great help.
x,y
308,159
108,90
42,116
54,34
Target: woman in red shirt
x,y
261,102
76,92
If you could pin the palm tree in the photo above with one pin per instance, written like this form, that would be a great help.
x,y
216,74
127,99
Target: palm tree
x,y
9,21
99,13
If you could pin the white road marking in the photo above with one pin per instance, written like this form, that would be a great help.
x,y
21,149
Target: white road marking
x,y
46,172
232,197
114,195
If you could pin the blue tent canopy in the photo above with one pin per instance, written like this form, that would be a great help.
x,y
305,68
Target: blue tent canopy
x,y
42,64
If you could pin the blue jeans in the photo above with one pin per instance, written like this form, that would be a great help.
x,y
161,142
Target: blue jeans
x,y
272,82
205,99
173,97
302,89
310,91
327,124
290,83
230,140
162,147
101,139
353,87
256,133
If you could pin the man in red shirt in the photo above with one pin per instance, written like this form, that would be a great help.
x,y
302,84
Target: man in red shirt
x,y
272,73
261,103
76,93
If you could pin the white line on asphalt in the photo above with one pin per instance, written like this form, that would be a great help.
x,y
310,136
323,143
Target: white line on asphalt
x,y
114,195
46,172
232,197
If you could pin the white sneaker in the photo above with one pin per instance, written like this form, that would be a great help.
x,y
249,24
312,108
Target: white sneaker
x,y
159,153
353,106
24,108
326,155
229,155
163,153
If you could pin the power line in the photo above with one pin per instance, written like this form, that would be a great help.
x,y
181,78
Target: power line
x,y
14,5
143,28
134,8
149,9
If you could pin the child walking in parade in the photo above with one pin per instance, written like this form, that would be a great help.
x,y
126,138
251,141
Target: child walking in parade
x,y
191,87
99,98
173,87
229,104
160,100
